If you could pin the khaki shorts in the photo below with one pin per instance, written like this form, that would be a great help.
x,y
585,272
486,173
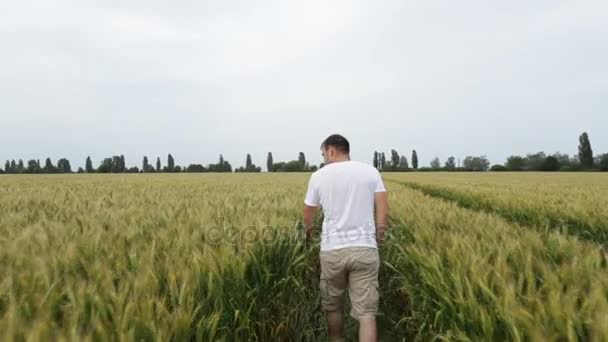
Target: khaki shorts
x,y
355,268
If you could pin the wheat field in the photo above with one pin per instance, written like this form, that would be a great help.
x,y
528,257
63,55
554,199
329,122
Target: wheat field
x,y
202,257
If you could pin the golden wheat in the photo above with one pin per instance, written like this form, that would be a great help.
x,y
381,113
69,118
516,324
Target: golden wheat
x,y
220,257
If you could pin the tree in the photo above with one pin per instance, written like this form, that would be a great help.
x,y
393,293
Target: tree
x,y
145,166
291,166
414,159
221,166
563,159
395,159
403,165
376,160
7,167
252,168
170,163
480,163
33,166
117,165
89,165
603,162
515,163
498,167
450,164
49,167
302,160
63,166
105,166
550,164
195,168
157,164
435,163
585,153
20,166
248,162
249,166
269,162
13,166
382,161
535,161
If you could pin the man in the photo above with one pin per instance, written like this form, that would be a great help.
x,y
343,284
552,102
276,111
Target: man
x,y
348,191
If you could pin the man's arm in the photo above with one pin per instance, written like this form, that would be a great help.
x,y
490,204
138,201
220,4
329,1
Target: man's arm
x,y
311,203
309,216
381,204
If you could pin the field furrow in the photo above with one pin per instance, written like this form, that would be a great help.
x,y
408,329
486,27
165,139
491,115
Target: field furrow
x,y
473,276
564,212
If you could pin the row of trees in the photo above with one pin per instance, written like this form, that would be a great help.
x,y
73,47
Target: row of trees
x,y
114,164
556,162
585,160
34,166
117,164
299,165
399,163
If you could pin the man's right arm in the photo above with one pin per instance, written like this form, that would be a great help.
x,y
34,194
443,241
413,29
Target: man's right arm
x,y
312,201
381,204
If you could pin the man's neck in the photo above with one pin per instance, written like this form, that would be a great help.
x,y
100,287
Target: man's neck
x,y
341,159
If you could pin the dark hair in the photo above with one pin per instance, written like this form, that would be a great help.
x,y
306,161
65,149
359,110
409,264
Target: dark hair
x,y
337,141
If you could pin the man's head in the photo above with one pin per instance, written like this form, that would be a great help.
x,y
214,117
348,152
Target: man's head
x,y
335,148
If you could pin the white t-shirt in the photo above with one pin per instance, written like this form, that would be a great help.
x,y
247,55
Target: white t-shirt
x,y
345,190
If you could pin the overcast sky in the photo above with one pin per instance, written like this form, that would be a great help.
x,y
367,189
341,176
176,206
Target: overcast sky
x,y
199,78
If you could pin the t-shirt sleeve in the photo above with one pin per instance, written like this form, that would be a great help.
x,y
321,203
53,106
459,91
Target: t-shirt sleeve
x,y
379,187
312,195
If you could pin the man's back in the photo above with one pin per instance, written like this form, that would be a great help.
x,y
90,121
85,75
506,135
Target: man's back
x,y
345,190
